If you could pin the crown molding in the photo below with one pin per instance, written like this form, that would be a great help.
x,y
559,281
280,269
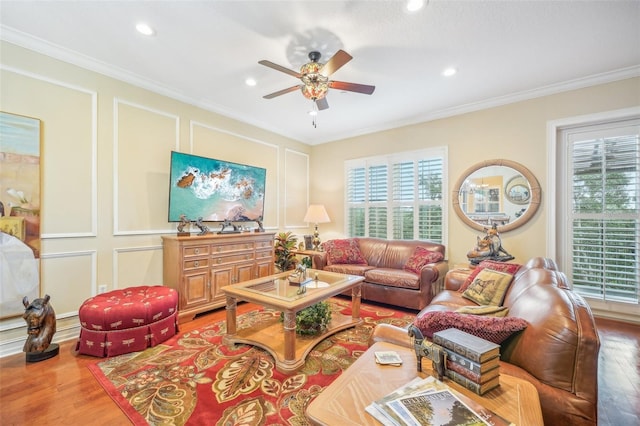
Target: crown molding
x,y
52,50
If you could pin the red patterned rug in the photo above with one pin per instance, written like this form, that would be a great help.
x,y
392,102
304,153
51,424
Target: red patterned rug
x,y
194,379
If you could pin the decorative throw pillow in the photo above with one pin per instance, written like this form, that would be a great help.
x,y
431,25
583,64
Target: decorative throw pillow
x,y
493,329
340,252
420,257
509,268
488,288
486,310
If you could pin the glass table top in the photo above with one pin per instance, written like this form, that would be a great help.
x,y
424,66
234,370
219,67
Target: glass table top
x,y
282,287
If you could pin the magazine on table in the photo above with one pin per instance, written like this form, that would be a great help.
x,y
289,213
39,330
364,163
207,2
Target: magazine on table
x,y
429,402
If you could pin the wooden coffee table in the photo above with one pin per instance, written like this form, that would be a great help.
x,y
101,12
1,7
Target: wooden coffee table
x,y
276,292
344,401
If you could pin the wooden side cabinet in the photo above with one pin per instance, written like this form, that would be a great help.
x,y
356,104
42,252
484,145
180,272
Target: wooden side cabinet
x,y
199,266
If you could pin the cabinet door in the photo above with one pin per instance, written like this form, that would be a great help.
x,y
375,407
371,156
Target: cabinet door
x,y
244,272
196,289
264,268
220,277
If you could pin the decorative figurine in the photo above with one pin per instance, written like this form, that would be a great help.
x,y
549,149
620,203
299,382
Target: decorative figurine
x,y
426,349
226,224
489,248
184,222
204,229
259,222
41,326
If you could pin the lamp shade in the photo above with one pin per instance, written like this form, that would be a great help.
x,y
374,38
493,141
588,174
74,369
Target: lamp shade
x,y
316,213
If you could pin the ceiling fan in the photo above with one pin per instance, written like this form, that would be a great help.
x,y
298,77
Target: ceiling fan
x,y
314,77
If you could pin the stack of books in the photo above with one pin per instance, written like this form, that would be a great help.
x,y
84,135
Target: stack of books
x,y
472,362
429,402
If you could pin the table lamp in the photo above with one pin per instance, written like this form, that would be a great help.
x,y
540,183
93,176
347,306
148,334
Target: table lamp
x,y
316,213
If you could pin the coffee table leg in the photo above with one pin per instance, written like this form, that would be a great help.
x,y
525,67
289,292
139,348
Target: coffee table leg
x,y
231,315
289,336
356,293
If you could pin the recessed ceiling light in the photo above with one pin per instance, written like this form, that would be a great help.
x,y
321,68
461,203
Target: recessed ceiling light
x,y
145,29
414,5
449,72
250,82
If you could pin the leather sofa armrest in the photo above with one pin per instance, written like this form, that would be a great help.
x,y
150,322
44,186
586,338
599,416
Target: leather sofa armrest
x,y
432,275
319,260
455,278
391,334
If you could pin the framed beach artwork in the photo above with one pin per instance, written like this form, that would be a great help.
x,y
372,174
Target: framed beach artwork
x,y
19,212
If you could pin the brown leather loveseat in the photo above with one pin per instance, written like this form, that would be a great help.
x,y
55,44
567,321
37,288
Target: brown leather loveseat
x,y
385,277
558,350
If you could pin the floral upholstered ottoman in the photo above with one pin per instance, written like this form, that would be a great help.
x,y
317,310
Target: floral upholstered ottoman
x,y
127,320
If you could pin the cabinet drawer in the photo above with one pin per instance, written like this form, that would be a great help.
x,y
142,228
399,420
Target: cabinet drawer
x,y
232,258
190,251
263,254
190,264
264,244
231,247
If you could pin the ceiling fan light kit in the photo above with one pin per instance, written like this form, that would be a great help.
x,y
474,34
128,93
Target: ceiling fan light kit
x,y
314,77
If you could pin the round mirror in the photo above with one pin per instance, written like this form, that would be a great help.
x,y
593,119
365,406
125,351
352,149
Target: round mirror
x,y
496,192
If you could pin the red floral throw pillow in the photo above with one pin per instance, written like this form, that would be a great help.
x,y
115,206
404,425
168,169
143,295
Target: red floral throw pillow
x,y
493,329
341,252
420,257
509,268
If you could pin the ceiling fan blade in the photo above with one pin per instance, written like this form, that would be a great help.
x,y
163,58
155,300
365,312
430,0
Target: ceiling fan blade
x,y
282,92
280,68
322,104
352,87
335,63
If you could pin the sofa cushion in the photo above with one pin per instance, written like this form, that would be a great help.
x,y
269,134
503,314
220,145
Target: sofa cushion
x,y
343,252
493,329
392,278
509,268
420,257
487,310
488,288
349,269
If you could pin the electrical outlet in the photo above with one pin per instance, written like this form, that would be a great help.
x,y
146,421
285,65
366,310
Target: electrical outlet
x,y
102,289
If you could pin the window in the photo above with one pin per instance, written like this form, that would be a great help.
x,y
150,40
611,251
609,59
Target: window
x,y
602,241
397,197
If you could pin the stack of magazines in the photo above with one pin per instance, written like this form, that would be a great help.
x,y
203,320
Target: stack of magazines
x,y
429,402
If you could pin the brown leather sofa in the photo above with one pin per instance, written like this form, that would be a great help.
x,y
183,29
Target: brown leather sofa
x,y
557,352
385,280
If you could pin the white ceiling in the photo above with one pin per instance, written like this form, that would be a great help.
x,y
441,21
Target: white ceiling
x,y
204,50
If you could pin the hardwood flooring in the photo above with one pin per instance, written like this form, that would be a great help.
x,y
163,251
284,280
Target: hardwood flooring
x,y
62,390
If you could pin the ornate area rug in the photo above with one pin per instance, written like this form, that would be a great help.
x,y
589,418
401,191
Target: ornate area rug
x,y
194,379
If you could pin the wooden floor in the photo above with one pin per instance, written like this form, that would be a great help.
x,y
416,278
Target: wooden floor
x,y
62,390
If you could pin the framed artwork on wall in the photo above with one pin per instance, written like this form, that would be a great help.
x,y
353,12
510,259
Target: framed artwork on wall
x,y
19,212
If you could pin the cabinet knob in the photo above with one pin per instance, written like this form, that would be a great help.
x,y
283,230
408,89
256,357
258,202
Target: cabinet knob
x,y
196,251
247,257
219,260
196,263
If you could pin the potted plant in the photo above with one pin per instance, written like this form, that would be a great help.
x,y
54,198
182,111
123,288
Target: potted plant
x,y
285,243
313,319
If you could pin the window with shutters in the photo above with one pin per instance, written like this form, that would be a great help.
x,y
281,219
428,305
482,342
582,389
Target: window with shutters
x,y
396,197
602,241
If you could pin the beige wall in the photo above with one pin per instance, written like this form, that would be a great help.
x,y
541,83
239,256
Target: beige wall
x,y
106,157
516,132
105,177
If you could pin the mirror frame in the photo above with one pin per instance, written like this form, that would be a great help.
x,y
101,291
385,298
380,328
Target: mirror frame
x,y
534,199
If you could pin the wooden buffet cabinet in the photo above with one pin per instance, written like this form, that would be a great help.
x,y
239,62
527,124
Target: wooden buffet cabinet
x,y
200,265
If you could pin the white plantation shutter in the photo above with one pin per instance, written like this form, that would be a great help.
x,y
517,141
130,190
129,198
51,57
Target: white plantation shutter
x,y
356,196
604,216
397,196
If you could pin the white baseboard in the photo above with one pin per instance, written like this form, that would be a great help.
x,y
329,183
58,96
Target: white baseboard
x,y
14,346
